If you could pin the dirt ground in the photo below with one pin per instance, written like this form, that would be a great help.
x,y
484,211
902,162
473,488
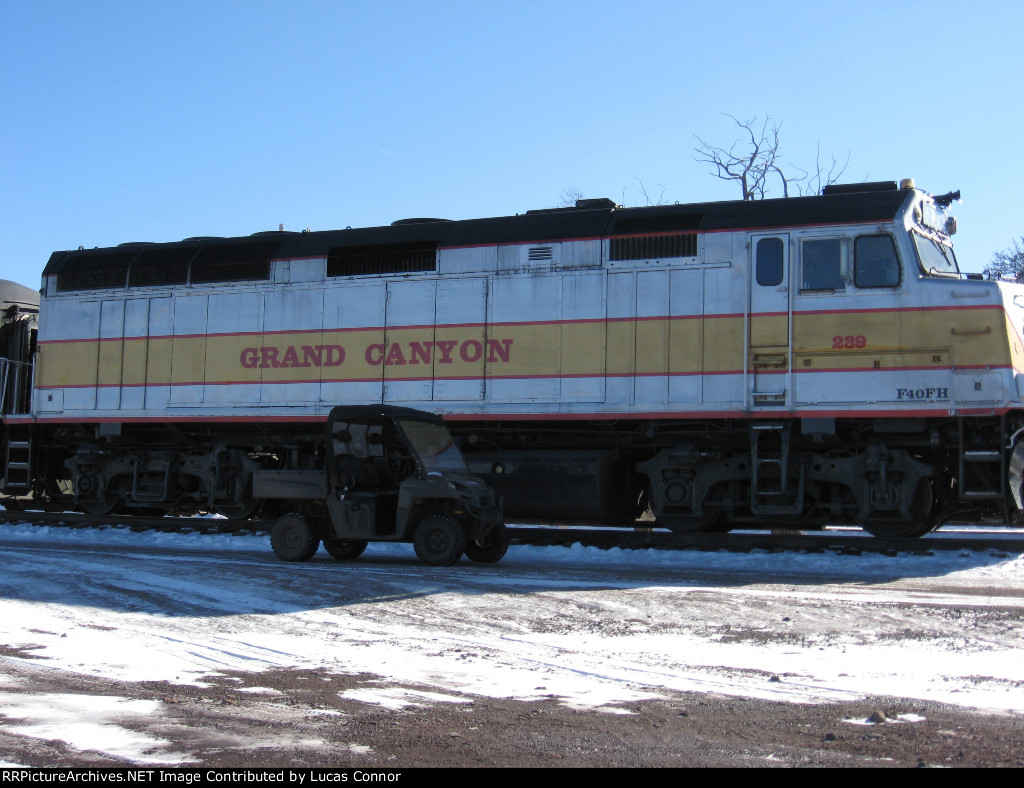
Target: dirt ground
x,y
208,652
296,718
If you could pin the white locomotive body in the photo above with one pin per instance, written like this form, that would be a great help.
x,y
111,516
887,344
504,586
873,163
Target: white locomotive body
x,y
803,360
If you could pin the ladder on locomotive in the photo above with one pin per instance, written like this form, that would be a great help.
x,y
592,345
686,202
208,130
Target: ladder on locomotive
x,y
17,476
15,399
978,460
772,489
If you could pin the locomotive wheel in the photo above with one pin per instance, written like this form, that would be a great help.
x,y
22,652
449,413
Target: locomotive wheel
x,y
106,506
149,511
439,540
916,524
345,550
238,511
293,538
492,550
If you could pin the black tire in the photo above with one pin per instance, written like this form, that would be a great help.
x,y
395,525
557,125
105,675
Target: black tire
x,y
293,538
345,550
439,540
492,550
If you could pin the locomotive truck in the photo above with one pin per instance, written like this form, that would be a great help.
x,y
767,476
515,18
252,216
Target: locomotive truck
x,y
787,362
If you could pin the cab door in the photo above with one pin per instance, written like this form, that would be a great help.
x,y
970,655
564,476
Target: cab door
x,y
769,334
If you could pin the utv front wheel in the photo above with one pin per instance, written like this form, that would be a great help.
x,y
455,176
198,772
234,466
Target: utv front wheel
x,y
493,549
439,540
293,538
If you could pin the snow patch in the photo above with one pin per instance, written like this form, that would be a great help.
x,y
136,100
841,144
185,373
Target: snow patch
x,y
587,627
88,722
398,697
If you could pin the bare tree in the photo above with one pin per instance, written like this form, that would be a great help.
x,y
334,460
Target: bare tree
x,y
755,163
647,198
571,196
1008,264
568,197
813,183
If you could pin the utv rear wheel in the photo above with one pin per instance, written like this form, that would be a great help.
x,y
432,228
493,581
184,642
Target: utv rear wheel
x,y
439,540
345,550
293,538
493,549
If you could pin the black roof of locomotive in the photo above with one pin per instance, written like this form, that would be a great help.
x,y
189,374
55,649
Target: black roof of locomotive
x,y
539,226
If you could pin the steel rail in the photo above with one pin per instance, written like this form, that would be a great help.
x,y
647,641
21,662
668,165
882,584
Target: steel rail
x,y
844,542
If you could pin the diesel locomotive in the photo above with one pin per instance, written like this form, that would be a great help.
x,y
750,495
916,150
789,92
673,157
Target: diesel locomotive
x,y
787,362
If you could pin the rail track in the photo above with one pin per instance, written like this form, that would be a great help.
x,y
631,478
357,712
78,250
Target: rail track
x,y
845,541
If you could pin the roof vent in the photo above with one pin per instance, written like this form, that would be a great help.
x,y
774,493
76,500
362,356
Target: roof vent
x,y
401,222
596,202
857,188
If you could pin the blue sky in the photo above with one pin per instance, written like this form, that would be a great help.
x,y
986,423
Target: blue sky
x,y
153,121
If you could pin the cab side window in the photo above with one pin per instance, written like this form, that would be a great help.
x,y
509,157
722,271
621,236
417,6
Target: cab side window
x,y
769,261
824,264
875,263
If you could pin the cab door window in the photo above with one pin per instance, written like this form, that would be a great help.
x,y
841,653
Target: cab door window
x,y
824,264
769,261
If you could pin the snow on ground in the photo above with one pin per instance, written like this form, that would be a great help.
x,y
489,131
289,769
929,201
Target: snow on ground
x,y
593,628
88,722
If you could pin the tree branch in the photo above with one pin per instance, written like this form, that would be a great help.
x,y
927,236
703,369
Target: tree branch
x,y
755,159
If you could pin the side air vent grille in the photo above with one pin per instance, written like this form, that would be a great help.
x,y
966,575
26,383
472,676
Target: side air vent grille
x,y
102,271
653,247
160,267
657,224
244,262
539,253
403,258
93,279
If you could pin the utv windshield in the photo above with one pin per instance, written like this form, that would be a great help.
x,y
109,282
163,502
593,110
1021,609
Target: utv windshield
x,y
434,444
936,258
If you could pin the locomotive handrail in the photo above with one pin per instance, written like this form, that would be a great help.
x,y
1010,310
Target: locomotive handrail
x,y
12,380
